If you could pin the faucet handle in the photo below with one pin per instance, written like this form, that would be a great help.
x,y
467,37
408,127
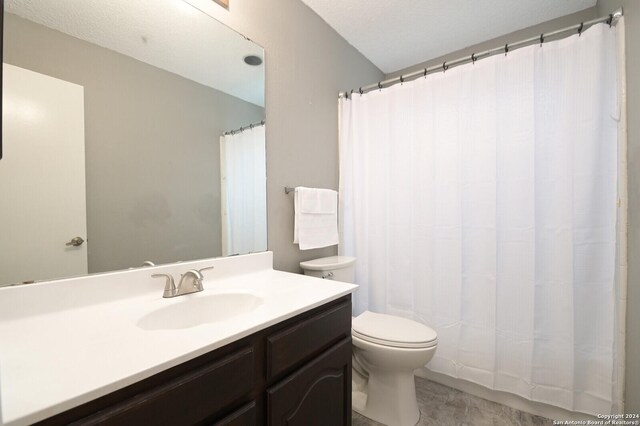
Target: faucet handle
x,y
169,287
197,273
206,269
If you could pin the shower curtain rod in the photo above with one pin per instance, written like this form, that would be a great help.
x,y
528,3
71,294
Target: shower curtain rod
x,y
242,129
579,28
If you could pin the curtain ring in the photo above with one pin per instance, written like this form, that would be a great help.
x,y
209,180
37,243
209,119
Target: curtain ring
x,y
251,126
444,66
580,29
506,49
425,73
610,20
401,79
473,58
541,39
360,90
380,85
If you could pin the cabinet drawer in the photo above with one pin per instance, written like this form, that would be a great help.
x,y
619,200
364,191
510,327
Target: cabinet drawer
x,y
298,343
245,416
188,399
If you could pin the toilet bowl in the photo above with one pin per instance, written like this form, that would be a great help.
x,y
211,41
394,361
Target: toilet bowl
x,y
386,351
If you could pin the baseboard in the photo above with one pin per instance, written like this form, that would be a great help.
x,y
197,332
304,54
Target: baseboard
x,y
504,398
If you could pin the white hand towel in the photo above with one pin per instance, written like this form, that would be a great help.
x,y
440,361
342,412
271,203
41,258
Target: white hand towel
x,y
316,218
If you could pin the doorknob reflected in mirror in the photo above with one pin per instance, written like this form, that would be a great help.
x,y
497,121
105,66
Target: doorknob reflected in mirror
x,y
76,242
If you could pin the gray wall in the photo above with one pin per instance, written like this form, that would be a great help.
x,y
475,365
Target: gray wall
x,y
307,64
152,150
632,26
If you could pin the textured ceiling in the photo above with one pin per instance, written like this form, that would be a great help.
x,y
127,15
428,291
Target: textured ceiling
x,y
395,34
168,34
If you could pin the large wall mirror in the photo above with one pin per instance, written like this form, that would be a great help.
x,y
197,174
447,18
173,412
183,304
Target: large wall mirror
x,y
132,132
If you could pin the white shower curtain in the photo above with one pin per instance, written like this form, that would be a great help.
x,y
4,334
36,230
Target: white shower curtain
x,y
482,201
244,199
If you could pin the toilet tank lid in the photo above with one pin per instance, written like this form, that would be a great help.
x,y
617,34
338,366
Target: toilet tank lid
x,y
328,263
391,328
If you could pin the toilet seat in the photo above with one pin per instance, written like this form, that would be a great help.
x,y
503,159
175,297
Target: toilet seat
x,y
391,344
393,331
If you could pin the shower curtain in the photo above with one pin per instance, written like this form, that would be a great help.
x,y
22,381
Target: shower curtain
x,y
482,201
243,193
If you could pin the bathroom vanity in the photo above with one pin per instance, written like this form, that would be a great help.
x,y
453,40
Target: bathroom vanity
x,y
298,371
95,354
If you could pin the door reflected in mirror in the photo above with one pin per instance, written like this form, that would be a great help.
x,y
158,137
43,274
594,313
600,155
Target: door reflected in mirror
x,y
120,123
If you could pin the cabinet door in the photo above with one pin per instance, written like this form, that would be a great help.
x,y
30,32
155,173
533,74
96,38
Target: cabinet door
x,y
318,394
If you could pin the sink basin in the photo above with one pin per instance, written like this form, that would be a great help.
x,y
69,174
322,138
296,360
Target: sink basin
x,y
198,310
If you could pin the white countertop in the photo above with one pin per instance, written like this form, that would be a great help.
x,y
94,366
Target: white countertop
x,y
53,359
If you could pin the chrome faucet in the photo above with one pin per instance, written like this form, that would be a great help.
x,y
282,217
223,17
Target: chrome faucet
x,y
191,282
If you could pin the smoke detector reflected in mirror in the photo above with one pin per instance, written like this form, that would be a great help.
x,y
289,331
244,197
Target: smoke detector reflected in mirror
x,y
252,60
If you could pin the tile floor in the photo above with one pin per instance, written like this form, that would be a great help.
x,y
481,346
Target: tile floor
x,y
443,406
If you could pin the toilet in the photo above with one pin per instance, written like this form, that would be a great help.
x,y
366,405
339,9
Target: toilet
x,y
386,351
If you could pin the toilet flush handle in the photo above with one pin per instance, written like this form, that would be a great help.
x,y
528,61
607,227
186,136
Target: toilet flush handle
x,y
327,276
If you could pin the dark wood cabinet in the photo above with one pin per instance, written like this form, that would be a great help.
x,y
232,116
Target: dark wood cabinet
x,y
297,372
318,394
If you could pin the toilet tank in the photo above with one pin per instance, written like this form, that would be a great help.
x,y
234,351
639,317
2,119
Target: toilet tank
x,y
339,268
